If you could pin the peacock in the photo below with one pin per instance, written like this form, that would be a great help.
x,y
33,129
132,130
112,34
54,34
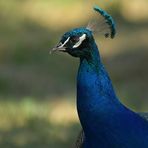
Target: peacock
x,y
106,122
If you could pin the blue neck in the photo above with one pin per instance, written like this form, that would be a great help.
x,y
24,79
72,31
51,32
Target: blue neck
x,y
105,121
95,92
93,77
96,98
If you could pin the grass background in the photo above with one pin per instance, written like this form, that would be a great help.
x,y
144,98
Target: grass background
x,y
37,90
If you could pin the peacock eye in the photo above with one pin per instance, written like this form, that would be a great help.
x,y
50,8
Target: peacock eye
x,y
74,39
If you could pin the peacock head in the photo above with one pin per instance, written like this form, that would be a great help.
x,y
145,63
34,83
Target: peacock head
x,y
75,42
78,42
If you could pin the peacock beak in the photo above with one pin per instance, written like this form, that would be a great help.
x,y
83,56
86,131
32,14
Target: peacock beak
x,y
59,47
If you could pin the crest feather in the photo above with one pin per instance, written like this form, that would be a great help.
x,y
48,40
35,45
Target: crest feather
x,y
106,25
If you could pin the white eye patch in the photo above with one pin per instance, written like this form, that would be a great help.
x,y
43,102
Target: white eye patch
x,y
81,39
62,45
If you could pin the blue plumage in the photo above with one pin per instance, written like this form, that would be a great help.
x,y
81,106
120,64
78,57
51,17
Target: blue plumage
x,y
106,122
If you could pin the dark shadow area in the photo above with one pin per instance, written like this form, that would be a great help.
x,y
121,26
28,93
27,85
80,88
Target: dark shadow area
x,y
26,67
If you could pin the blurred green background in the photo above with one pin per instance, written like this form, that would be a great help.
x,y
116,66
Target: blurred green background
x,y
37,90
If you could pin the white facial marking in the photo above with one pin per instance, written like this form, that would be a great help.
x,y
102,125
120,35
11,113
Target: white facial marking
x,y
81,39
61,46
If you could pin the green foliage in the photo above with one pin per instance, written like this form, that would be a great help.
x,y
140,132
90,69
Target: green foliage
x,y
26,124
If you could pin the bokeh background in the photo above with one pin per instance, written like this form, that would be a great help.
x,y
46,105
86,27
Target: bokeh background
x,y
37,90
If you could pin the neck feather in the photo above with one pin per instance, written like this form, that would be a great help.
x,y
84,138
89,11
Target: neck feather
x,y
92,79
95,93
101,115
